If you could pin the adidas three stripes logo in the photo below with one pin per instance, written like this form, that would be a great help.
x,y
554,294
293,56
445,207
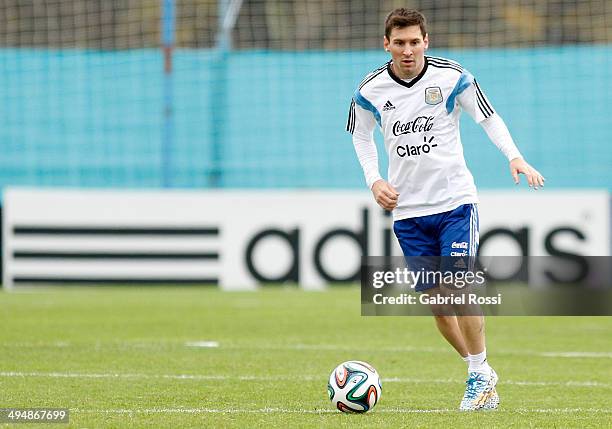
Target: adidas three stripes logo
x,y
388,106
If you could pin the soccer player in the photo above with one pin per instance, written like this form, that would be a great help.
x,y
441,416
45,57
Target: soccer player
x,y
417,100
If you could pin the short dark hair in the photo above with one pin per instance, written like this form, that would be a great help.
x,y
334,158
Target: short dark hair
x,y
402,17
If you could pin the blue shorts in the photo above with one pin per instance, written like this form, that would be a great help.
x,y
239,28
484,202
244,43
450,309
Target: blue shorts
x,y
451,236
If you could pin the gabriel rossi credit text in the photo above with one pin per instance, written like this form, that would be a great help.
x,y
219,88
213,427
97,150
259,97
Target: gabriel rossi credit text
x,y
456,287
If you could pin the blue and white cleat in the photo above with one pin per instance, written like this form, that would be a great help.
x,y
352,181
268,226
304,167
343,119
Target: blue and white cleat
x,y
480,393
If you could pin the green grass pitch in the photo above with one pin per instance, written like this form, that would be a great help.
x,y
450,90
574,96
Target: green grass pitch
x,y
117,357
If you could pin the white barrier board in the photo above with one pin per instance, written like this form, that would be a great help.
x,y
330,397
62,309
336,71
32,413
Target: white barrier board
x,y
238,239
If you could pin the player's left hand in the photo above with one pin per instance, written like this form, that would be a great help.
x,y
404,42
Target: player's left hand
x,y
520,166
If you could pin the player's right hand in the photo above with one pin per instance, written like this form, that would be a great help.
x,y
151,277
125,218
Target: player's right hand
x,y
385,195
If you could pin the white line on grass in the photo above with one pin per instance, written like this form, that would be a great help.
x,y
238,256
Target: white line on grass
x,y
256,378
577,354
203,344
321,347
305,347
320,411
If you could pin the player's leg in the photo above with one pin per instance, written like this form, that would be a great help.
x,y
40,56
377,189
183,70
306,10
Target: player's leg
x,y
459,242
480,391
472,332
449,328
447,323
418,237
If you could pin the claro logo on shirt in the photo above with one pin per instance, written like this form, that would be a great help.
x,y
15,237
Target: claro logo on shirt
x,y
416,150
418,125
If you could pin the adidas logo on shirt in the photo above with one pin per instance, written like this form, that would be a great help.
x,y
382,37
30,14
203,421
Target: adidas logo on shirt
x,y
388,106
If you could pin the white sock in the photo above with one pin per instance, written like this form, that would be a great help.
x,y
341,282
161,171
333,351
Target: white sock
x,y
478,363
466,359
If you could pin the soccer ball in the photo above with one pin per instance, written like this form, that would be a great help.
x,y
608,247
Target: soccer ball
x,y
354,387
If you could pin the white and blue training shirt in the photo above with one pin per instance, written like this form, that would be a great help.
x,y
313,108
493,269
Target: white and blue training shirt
x,y
419,120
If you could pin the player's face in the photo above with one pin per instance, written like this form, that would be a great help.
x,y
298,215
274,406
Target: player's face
x,y
407,47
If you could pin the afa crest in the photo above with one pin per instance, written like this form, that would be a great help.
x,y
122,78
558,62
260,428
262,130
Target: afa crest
x,y
433,95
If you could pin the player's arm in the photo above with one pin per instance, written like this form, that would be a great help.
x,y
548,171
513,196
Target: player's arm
x,y
478,106
361,124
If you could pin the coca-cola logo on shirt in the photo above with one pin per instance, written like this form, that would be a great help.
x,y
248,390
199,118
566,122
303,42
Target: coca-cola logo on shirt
x,y
418,125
